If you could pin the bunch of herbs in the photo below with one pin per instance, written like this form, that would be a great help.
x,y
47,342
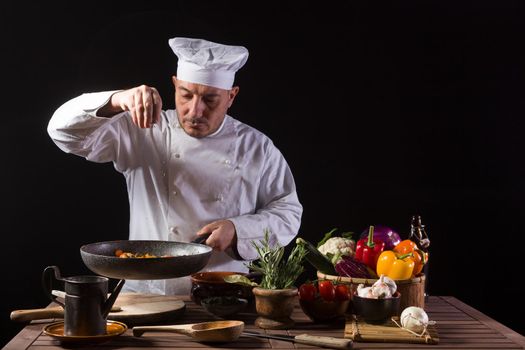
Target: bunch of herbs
x,y
278,272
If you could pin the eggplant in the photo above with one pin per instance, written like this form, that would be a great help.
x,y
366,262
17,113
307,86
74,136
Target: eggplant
x,y
386,234
349,267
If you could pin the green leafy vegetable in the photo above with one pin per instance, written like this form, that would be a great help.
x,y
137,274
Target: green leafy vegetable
x,y
240,279
347,235
330,234
326,237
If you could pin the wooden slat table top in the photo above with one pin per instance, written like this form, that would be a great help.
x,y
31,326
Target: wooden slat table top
x,y
459,326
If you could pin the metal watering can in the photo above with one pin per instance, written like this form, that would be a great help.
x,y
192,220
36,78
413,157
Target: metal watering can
x,y
86,305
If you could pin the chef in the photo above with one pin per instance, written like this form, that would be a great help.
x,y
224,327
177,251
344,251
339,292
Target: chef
x,y
190,171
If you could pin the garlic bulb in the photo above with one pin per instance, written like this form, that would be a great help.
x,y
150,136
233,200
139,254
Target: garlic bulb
x,y
391,284
381,289
384,287
364,292
415,319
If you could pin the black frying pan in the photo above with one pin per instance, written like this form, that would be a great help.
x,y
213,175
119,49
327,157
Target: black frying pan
x,y
184,259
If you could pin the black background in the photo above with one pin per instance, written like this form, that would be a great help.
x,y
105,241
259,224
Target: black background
x,y
382,111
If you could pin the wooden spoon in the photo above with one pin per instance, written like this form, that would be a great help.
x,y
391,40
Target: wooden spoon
x,y
215,331
45,313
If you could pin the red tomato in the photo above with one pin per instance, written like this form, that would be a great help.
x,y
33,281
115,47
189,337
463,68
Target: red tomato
x,y
307,292
327,290
342,292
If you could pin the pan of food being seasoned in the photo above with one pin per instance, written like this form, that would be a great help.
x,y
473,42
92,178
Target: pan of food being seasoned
x,y
145,260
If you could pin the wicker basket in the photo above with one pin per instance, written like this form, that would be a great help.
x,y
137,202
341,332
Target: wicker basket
x,y
412,290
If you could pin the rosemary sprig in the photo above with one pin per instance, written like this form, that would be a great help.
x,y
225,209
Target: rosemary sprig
x,y
278,273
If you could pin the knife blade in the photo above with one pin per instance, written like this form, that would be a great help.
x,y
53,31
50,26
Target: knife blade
x,y
326,342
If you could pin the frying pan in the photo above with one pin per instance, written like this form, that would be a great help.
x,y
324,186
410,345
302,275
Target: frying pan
x,y
184,259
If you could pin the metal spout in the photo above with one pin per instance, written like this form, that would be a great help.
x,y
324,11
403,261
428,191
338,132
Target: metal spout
x,y
106,307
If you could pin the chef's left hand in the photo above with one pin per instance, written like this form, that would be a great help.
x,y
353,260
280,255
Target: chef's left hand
x,y
222,234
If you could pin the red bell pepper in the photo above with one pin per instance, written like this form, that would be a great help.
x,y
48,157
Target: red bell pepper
x,y
368,249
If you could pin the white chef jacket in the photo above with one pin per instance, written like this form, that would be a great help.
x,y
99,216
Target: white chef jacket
x,y
177,183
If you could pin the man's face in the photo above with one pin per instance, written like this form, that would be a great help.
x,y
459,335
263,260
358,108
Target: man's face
x,y
201,108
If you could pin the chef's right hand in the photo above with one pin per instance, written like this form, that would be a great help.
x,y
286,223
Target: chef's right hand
x,y
143,103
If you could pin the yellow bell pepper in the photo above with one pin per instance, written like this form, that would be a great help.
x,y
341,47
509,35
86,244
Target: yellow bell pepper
x,y
397,267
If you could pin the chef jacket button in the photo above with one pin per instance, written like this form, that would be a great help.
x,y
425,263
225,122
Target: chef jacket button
x,y
177,155
173,229
219,198
227,161
175,193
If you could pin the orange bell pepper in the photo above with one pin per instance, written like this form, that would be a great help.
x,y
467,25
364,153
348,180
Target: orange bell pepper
x,y
397,267
420,257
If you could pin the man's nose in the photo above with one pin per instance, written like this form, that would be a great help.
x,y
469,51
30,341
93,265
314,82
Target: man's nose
x,y
197,107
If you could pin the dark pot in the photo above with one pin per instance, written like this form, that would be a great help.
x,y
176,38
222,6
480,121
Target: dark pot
x,y
376,310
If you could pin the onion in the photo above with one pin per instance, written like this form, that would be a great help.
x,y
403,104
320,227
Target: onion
x,y
414,319
386,234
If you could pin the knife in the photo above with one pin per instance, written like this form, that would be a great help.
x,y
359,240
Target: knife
x,y
326,342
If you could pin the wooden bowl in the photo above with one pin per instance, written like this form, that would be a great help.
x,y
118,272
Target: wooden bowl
x,y
412,290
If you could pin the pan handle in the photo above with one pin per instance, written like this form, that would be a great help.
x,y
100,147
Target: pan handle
x,y
201,239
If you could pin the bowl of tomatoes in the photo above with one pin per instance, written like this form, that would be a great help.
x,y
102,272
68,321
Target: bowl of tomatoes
x,y
324,300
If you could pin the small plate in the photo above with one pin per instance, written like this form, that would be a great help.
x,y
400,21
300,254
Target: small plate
x,y
113,329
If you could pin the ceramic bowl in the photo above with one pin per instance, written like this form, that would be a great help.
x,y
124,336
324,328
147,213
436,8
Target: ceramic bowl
x,y
211,284
320,310
224,306
376,310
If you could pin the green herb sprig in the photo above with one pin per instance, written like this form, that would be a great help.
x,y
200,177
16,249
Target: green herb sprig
x,y
278,273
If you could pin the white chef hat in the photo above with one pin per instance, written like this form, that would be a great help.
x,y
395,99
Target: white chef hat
x,y
208,63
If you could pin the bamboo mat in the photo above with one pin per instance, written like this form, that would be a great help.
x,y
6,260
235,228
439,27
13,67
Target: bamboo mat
x,y
359,330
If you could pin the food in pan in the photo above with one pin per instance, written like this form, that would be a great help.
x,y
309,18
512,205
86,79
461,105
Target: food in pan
x,y
122,254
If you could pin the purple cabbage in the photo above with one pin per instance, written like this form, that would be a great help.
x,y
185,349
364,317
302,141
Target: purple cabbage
x,y
386,234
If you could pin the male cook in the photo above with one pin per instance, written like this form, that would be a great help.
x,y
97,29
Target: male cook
x,y
190,171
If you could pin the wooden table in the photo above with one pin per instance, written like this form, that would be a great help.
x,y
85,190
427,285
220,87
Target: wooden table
x,y
459,326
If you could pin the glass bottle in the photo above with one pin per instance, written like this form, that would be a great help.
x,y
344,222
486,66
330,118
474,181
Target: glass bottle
x,y
419,236
418,233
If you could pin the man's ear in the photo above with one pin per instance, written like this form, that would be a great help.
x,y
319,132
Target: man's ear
x,y
174,80
233,92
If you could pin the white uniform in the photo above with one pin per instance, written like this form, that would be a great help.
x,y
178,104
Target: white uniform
x,y
177,183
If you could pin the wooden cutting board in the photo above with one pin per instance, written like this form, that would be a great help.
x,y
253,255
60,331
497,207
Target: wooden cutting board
x,y
137,308
359,330
134,309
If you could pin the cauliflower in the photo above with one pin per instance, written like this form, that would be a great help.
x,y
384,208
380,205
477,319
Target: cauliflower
x,y
334,248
